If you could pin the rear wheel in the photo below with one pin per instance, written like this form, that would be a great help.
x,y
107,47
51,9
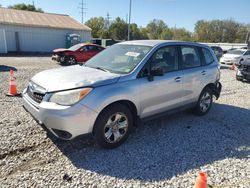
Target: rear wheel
x,y
113,126
204,103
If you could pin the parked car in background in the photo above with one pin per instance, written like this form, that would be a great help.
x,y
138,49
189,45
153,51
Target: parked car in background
x,y
78,53
243,72
218,51
244,57
232,56
106,96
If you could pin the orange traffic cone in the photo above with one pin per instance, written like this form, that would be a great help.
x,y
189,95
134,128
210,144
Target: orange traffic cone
x,y
12,85
232,67
201,181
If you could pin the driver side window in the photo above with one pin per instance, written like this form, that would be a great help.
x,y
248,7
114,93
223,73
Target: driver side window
x,y
247,53
165,58
85,49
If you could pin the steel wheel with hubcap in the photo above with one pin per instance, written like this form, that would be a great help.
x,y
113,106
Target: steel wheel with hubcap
x,y
113,126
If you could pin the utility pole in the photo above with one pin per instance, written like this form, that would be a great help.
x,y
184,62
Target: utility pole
x,y
108,23
174,31
248,39
82,9
108,20
129,19
33,3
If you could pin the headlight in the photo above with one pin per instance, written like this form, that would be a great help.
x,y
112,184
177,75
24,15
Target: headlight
x,y
71,97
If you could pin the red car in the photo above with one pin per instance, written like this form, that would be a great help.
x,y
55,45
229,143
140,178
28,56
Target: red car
x,y
78,53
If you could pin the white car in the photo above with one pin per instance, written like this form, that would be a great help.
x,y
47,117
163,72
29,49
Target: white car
x,y
235,56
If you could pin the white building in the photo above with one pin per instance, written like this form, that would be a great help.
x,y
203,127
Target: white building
x,y
26,31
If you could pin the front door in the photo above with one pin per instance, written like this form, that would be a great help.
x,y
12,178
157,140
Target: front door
x,y
163,92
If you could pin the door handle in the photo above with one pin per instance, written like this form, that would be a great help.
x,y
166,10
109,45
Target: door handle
x,y
204,72
178,79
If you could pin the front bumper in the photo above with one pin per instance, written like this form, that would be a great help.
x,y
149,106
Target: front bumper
x,y
57,58
65,122
226,61
243,75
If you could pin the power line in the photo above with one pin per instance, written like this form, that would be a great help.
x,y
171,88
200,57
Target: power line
x,y
82,9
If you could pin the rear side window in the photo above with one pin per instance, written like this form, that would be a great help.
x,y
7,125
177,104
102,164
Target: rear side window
x,y
208,56
100,49
85,48
190,57
91,48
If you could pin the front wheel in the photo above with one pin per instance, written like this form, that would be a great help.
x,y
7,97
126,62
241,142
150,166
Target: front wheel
x,y
71,60
113,126
204,103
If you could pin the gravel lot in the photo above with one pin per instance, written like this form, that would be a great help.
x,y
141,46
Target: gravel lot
x,y
165,152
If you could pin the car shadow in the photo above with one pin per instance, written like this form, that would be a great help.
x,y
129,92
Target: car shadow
x,y
168,146
4,68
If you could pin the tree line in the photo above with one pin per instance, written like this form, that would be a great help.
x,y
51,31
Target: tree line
x,y
205,31
28,7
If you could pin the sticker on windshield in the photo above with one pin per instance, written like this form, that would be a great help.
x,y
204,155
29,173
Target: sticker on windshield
x,y
132,54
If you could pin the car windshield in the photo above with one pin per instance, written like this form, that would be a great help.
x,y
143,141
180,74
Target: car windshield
x,y
120,58
75,47
235,52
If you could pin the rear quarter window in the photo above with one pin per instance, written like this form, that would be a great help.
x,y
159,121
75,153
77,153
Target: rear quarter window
x,y
207,56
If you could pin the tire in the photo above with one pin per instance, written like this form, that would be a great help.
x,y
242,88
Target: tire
x,y
113,126
205,102
70,60
239,79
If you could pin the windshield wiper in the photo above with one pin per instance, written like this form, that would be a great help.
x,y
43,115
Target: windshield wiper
x,y
99,68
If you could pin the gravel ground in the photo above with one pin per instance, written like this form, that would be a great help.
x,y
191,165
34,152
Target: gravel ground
x,y
165,152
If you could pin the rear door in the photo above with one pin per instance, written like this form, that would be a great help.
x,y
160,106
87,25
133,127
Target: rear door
x,y
163,92
193,73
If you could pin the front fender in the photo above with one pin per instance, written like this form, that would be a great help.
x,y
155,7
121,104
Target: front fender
x,y
103,96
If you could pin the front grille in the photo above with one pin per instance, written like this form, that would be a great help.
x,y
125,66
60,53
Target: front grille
x,y
246,68
37,97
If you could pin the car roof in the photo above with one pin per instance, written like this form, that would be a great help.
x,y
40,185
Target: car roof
x,y
154,43
216,47
85,44
239,49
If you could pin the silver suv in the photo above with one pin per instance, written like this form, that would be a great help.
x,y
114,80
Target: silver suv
x,y
126,82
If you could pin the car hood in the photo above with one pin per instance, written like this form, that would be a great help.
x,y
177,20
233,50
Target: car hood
x,y
231,56
61,50
73,77
246,62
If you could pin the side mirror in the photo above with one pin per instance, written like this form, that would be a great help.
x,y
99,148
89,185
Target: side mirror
x,y
159,71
